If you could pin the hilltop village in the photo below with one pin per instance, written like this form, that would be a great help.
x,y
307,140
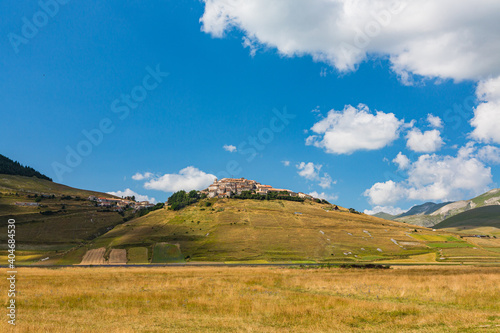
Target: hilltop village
x,y
119,204
228,187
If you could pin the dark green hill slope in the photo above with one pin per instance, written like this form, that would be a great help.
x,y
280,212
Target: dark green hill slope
x,y
60,218
10,167
488,216
34,185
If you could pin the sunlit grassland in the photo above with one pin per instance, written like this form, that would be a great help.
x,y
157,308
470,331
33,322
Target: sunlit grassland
x,y
469,230
249,230
19,184
138,255
163,252
449,245
245,299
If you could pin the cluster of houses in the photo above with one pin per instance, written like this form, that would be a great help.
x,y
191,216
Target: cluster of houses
x,y
228,187
27,204
109,203
119,204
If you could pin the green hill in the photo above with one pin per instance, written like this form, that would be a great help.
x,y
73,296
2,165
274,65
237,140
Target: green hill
x,y
66,227
232,230
33,185
487,216
10,167
62,219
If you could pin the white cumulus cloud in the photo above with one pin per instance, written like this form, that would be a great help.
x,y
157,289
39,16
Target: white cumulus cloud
x,y
432,39
129,193
352,129
489,154
402,161
436,178
311,171
325,181
323,195
434,121
427,142
230,148
141,176
384,209
286,163
189,178
486,121
386,193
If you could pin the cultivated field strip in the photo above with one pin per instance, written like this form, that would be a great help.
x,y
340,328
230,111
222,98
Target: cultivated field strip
x,y
118,256
94,257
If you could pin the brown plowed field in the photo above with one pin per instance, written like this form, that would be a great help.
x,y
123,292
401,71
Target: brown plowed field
x,y
118,256
94,257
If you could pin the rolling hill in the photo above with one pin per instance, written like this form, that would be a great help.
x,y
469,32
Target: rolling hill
x,y
33,185
68,229
488,216
10,167
60,219
233,230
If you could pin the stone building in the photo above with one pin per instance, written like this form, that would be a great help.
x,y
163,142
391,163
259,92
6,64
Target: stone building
x,y
227,187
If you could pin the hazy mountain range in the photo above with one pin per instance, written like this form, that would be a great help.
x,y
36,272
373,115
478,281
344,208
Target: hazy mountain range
x,y
430,214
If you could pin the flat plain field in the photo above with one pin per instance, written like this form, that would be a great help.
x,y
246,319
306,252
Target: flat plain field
x,y
257,299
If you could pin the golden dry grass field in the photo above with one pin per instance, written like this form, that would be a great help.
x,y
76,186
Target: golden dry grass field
x,y
256,299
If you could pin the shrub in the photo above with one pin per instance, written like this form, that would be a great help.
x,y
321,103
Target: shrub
x,y
354,211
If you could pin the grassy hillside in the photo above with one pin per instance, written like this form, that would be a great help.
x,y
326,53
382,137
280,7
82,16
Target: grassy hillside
x,y
10,167
64,228
385,216
490,197
64,219
421,220
277,231
488,216
32,185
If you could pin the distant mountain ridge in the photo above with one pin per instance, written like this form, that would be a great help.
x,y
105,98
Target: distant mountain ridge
x,y
10,167
424,209
431,214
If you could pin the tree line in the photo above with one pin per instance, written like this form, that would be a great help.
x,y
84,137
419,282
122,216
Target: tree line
x,y
10,167
181,199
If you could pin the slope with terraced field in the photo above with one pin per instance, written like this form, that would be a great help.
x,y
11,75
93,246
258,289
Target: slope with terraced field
x,y
52,219
232,230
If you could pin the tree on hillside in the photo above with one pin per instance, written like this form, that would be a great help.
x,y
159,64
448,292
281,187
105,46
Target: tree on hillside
x,y
181,199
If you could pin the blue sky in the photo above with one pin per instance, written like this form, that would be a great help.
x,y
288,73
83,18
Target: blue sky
x,y
229,75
